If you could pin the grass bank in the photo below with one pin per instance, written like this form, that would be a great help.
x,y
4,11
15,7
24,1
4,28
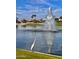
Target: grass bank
x,y
58,23
26,54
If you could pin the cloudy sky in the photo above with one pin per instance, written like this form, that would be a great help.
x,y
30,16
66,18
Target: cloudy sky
x,y
25,8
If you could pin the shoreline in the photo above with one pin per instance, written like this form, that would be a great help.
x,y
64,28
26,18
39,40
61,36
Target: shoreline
x,y
29,23
34,54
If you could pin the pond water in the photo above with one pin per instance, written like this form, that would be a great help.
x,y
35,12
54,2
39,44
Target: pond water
x,y
44,40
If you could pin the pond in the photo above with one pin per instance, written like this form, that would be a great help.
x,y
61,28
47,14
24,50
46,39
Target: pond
x,y
43,40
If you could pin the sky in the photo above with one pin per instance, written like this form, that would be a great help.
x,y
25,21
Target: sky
x,y
26,8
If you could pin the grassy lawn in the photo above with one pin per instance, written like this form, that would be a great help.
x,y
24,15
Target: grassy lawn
x,y
26,54
58,23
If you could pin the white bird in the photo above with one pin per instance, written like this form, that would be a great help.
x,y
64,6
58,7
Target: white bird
x,y
32,46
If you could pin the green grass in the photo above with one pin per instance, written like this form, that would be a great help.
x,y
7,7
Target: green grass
x,y
58,23
26,54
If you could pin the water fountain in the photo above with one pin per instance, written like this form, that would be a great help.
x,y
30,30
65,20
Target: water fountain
x,y
50,21
50,26
49,37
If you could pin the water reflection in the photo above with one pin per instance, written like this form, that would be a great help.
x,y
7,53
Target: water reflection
x,y
47,42
49,37
23,25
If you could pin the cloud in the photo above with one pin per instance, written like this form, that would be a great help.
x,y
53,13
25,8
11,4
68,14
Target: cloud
x,y
28,6
39,2
37,7
57,12
27,13
41,13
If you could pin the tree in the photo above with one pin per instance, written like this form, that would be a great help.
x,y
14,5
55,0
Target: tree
x,y
17,21
24,21
56,19
60,17
33,16
41,20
